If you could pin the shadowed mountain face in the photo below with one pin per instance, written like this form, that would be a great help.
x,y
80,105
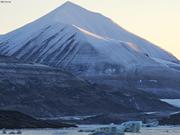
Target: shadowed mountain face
x,y
44,91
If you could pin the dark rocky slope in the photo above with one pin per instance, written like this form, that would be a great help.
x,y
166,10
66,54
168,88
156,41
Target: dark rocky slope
x,y
14,120
173,119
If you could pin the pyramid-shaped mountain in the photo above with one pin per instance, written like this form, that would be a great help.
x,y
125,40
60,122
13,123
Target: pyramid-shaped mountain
x,y
95,48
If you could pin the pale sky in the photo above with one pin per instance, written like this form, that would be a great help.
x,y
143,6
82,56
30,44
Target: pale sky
x,y
155,20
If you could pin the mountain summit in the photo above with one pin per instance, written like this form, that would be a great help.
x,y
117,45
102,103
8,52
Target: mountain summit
x,y
95,48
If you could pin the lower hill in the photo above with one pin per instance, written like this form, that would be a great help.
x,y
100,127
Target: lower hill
x,y
43,91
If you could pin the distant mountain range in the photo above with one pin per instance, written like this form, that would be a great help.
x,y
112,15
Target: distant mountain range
x,y
74,61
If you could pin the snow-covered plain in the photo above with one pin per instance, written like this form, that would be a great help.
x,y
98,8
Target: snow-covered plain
x,y
161,130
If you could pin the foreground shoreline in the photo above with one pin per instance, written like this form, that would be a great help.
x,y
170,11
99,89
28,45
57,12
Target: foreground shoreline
x,y
160,130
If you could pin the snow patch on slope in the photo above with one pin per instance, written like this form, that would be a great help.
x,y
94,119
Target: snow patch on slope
x,y
89,33
174,102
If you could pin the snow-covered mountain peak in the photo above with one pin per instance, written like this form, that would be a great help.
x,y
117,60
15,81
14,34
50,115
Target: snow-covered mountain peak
x,y
95,25
70,13
65,9
68,5
94,48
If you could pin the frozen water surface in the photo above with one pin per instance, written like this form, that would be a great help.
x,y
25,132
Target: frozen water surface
x,y
161,130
